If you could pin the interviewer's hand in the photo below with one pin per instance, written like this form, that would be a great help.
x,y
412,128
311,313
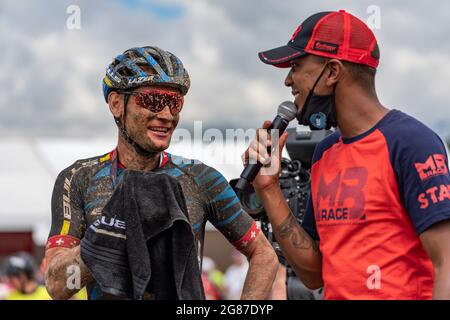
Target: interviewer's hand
x,y
257,151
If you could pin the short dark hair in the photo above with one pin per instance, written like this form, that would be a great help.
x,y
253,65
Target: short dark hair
x,y
361,73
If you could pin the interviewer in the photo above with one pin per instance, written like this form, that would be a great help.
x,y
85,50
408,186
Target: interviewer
x,y
377,222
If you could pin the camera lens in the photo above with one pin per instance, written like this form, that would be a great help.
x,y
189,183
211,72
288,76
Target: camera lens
x,y
251,203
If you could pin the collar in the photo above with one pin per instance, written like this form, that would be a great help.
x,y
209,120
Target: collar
x,y
163,159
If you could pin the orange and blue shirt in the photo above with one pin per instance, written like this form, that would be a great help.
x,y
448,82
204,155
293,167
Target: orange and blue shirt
x,y
372,196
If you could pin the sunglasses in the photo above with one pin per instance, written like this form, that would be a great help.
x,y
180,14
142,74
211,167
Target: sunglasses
x,y
156,100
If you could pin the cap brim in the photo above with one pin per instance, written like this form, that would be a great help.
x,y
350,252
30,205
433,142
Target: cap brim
x,y
281,56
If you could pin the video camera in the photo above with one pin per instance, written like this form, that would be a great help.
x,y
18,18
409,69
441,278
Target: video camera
x,y
295,183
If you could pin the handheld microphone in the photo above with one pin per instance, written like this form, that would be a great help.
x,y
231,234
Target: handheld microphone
x,y
287,111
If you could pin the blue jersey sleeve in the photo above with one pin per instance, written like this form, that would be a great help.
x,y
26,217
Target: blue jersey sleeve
x,y
224,208
420,162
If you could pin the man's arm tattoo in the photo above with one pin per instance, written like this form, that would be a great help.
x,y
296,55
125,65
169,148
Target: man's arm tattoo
x,y
290,228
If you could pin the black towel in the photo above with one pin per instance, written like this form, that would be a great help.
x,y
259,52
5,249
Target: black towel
x,y
143,241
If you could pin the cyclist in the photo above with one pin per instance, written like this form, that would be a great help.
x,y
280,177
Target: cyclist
x,y
145,88
20,272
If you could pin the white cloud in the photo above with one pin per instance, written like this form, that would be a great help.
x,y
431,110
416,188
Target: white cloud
x,y
53,75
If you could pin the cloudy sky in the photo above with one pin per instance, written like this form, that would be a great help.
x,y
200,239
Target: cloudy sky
x,y
50,76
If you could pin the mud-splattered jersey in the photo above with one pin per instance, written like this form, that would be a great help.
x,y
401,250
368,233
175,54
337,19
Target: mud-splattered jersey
x,y
372,196
83,189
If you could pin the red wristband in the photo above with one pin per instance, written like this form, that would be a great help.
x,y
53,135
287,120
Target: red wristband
x,y
248,238
62,241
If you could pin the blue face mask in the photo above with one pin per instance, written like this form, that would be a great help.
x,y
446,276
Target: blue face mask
x,y
319,111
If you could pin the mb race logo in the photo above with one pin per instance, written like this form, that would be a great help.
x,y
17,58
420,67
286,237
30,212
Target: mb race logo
x,y
342,199
434,166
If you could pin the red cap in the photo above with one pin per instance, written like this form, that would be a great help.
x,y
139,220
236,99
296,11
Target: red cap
x,y
338,35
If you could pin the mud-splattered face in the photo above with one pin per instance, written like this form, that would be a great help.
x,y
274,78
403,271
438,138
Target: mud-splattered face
x,y
153,130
